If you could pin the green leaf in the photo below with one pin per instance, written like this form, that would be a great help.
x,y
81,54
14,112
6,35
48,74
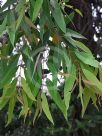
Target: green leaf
x,y
45,107
38,108
27,52
32,82
92,78
100,73
87,59
42,24
80,89
69,82
72,33
11,109
8,92
25,107
86,98
69,18
27,89
46,10
10,71
59,18
79,12
36,9
11,26
26,28
3,26
20,9
78,44
56,97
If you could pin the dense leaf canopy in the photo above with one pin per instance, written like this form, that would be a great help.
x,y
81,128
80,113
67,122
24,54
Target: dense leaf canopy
x,y
35,33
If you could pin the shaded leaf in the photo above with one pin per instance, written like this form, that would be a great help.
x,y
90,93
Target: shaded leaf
x,y
11,26
56,97
27,89
72,33
69,82
59,18
3,26
21,11
92,78
11,109
8,93
10,71
45,107
36,9
79,12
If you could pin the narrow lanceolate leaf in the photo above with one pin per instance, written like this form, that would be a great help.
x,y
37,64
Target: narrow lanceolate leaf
x,y
87,59
80,90
59,18
79,12
27,89
36,9
42,24
10,71
38,108
3,26
69,18
69,82
45,107
20,10
92,78
11,26
72,33
8,92
56,97
78,44
25,104
11,108
86,98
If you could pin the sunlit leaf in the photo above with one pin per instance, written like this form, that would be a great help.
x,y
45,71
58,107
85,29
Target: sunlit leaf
x,y
87,58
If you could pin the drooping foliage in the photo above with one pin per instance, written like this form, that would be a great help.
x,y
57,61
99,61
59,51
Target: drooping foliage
x,y
30,30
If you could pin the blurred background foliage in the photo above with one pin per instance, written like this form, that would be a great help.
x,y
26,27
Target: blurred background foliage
x,y
91,124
